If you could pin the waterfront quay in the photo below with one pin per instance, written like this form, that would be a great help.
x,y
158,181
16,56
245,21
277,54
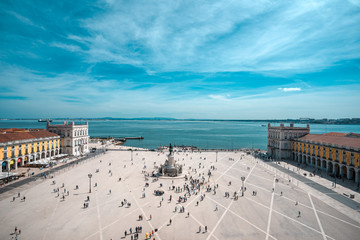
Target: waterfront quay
x,y
244,198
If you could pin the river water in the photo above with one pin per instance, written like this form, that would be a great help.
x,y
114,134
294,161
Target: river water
x,y
202,134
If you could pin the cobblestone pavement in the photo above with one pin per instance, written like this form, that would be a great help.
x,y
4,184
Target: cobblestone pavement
x,y
271,208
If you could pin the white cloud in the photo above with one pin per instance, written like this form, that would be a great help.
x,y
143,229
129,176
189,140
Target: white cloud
x,y
290,89
68,47
220,97
25,20
220,36
81,96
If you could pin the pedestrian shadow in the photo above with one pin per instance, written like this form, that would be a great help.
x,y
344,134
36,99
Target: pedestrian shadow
x,y
80,193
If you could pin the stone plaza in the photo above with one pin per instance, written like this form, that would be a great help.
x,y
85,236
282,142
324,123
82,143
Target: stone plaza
x,y
274,205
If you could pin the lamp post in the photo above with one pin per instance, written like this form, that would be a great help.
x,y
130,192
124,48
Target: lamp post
x,y
131,154
216,156
242,188
89,175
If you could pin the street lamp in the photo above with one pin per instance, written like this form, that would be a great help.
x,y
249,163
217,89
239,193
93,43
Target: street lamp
x,y
90,176
131,154
242,188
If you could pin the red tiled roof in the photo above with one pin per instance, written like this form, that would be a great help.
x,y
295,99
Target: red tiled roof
x,y
335,134
357,135
337,139
13,130
9,136
42,134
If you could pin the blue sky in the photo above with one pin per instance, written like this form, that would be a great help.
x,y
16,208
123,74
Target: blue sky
x,y
182,59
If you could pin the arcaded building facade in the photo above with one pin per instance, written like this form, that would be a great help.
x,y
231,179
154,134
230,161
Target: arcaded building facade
x,y
19,147
280,137
74,137
335,153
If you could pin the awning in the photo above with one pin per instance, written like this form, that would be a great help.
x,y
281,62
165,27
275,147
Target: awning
x,y
4,164
19,160
12,162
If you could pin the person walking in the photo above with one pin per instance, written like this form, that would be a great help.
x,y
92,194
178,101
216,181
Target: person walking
x,y
299,214
199,229
205,228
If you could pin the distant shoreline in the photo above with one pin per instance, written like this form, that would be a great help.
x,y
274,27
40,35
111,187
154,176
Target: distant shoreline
x,y
342,121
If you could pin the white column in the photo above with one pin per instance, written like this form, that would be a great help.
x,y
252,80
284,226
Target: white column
x,y
7,165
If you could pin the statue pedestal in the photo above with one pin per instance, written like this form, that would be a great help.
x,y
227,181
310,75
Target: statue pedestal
x,y
170,168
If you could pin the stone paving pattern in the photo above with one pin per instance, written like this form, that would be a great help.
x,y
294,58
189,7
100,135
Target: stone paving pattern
x,y
268,215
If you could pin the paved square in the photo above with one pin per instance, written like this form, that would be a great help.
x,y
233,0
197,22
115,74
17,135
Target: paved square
x,y
267,215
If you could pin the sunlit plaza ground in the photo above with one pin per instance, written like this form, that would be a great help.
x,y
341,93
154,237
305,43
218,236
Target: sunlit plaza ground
x,y
267,215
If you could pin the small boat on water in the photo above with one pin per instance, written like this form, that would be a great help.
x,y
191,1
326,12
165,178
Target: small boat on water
x,y
45,120
263,125
135,138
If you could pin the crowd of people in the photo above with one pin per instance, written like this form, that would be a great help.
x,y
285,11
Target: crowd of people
x,y
195,184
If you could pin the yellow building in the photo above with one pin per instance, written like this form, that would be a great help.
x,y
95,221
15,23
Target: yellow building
x,y
335,153
19,147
